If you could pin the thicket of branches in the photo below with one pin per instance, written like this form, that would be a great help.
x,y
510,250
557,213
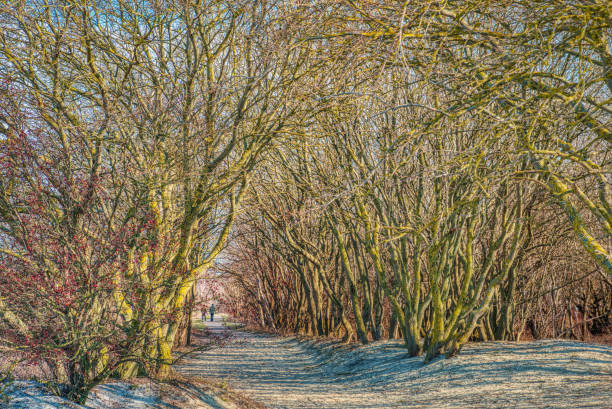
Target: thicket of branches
x,y
453,184
129,131
434,171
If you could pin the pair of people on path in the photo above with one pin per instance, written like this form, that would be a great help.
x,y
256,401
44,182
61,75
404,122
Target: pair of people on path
x,y
211,310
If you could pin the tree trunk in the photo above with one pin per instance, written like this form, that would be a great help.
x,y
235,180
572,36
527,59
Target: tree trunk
x,y
183,335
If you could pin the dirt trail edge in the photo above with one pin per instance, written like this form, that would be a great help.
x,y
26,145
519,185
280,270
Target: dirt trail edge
x,y
295,373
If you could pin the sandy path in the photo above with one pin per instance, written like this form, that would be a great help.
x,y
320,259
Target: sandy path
x,y
289,373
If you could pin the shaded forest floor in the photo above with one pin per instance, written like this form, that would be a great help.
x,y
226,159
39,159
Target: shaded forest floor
x,y
282,372
253,370
178,392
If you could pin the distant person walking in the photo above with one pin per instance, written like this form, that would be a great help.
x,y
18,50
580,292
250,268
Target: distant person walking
x,y
203,311
212,311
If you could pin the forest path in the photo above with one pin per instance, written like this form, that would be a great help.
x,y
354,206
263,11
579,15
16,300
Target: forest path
x,y
282,372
